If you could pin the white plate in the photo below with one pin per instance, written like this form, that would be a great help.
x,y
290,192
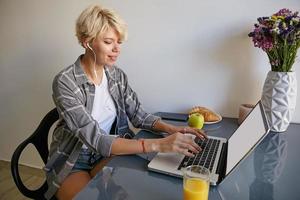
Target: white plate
x,y
214,122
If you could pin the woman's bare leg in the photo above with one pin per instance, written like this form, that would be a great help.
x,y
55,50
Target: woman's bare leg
x,y
99,166
73,184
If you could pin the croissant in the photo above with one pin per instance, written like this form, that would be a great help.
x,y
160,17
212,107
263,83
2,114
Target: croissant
x,y
209,116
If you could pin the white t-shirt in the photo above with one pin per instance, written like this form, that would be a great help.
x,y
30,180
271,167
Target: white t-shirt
x,y
104,110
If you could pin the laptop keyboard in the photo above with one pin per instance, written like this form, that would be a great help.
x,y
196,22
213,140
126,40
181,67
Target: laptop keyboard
x,y
204,158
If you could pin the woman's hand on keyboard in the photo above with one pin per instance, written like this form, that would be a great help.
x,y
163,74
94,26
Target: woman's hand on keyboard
x,y
179,143
161,126
186,129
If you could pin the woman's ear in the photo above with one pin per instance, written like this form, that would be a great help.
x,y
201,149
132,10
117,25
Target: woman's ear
x,y
85,45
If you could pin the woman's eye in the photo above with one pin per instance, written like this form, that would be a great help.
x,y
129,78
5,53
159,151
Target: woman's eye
x,y
107,42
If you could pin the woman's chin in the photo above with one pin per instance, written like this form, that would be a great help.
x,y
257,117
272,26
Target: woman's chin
x,y
110,63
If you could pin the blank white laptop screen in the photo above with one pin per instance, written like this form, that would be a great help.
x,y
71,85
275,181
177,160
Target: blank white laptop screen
x,y
245,137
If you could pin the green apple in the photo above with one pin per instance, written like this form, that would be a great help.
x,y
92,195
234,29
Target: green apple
x,y
196,120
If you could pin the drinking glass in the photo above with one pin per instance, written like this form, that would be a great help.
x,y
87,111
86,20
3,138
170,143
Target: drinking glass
x,y
195,183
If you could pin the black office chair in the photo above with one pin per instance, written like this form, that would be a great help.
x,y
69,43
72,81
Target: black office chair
x,y
40,140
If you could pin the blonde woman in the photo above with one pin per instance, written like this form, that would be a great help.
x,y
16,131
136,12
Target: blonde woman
x,y
92,94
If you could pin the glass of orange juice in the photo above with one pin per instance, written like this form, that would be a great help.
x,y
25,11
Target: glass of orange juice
x,y
195,183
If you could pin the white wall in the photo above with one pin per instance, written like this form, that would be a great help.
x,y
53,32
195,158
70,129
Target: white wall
x,y
179,54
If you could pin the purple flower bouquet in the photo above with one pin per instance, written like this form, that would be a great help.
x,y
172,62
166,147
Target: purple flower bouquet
x,y
279,36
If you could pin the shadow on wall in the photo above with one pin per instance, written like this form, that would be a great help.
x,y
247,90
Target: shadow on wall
x,y
235,55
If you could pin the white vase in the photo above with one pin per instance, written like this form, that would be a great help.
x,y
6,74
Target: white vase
x,y
279,99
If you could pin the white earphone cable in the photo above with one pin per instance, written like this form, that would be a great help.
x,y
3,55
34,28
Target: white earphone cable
x,y
95,72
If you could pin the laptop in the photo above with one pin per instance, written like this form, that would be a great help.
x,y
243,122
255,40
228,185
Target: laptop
x,y
219,155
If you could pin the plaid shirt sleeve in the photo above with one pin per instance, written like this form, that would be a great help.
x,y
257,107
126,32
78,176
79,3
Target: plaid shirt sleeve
x,y
66,97
134,110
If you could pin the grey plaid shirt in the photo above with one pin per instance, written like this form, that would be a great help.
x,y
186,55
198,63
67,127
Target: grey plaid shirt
x,y
73,95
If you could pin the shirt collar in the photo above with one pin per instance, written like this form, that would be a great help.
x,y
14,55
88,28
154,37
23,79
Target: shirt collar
x,y
81,77
110,72
79,74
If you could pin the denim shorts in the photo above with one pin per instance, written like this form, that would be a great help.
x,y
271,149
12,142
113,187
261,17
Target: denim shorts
x,y
86,161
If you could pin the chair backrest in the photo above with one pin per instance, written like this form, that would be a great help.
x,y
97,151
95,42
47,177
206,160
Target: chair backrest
x,y
40,140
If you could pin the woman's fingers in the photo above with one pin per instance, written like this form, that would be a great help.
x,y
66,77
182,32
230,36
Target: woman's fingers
x,y
187,153
181,143
184,151
190,139
189,147
198,132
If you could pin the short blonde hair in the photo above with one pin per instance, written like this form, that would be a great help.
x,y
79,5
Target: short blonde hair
x,y
95,20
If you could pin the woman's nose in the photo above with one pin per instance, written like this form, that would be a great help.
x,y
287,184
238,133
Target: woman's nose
x,y
116,48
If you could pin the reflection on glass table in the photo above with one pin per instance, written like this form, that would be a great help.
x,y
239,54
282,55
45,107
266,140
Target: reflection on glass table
x,y
105,187
118,183
257,177
269,161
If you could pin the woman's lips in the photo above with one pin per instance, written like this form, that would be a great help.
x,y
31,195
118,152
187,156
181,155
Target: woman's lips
x,y
113,58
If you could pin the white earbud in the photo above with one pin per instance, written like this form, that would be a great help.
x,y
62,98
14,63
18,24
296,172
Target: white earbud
x,y
88,44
